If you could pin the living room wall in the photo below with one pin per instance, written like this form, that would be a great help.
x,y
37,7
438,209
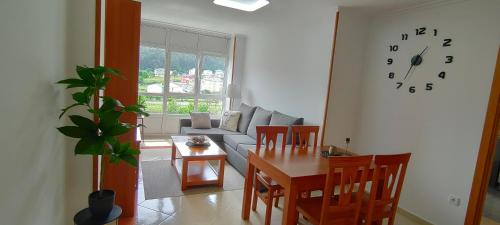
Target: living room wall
x,y
283,50
443,127
42,41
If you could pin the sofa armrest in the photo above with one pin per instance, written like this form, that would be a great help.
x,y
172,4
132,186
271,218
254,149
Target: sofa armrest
x,y
187,123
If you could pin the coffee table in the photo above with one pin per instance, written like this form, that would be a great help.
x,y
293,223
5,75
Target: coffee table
x,y
192,163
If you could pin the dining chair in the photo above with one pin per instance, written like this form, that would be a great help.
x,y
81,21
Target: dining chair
x,y
382,201
347,175
265,188
303,134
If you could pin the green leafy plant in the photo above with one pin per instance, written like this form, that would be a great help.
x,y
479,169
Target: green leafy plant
x,y
100,136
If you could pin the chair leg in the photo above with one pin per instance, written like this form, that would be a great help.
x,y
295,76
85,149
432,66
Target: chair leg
x,y
277,202
254,200
269,206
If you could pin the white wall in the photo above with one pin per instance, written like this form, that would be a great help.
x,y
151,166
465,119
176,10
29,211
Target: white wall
x,y
442,128
283,50
33,56
343,112
287,60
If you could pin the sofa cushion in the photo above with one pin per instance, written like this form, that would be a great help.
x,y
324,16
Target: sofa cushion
x,y
278,118
200,120
216,134
243,149
245,117
235,140
260,117
229,120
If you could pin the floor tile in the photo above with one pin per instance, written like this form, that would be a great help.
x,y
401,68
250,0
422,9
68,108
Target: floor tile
x,y
147,216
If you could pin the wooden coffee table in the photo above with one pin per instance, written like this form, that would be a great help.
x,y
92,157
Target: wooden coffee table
x,y
191,163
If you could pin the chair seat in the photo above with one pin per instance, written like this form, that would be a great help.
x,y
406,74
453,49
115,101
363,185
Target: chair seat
x,y
311,209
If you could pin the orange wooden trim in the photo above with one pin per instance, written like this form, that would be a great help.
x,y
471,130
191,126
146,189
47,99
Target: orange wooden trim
x,y
486,152
97,61
330,74
232,70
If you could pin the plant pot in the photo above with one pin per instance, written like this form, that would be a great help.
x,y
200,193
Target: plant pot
x,y
101,203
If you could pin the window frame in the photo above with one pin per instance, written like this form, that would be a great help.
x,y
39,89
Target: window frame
x,y
154,45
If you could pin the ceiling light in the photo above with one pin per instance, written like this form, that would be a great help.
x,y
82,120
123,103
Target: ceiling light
x,y
245,5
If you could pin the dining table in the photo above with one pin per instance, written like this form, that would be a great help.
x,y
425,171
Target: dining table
x,y
296,170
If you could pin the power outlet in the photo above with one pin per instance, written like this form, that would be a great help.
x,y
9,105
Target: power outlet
x,y
454,200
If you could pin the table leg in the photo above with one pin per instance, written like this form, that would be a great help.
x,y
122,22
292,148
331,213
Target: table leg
x,y
173,155
184,174
290,205
247,191
220,177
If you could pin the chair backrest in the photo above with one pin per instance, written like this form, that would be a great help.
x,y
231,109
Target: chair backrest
x,y
270,133
303,133
353,174
387,182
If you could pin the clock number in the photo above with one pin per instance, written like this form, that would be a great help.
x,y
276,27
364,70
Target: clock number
x,y
447,42
412,89
428,86
393,48
449,59
435,32
391,75
420,31
404,36
442,75
389,61
399,85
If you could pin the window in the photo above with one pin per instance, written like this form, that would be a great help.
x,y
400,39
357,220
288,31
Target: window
x,y
151,78
188,74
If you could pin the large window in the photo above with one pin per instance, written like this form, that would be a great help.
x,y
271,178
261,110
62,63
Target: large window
x,y
182,71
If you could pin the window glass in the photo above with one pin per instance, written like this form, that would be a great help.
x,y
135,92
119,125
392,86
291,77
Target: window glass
x,y
214,106
154,104
182,72
151,70
212,75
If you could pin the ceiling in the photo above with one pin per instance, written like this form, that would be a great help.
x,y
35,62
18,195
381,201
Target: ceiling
x,y
206,15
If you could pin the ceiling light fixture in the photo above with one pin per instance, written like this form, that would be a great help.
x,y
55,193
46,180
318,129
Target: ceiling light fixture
x,y
245,5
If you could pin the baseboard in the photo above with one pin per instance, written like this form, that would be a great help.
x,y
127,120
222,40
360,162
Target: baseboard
x,y
413,217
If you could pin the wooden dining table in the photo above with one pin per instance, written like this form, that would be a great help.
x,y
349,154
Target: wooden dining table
x,y
295,170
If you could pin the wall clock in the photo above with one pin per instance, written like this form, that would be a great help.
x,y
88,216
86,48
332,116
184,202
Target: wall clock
x,y
410,52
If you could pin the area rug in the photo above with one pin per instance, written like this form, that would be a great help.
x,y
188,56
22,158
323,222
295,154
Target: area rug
x,y
161,181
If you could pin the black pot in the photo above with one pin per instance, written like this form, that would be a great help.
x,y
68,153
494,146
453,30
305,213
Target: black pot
x,y
101,203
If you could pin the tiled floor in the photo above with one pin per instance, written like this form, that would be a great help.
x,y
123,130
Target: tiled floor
x,y
221,208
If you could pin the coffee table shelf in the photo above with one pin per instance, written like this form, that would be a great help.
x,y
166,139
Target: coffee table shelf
x,y
198,173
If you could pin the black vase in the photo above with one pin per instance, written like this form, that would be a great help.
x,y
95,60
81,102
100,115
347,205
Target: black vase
x,y
101,203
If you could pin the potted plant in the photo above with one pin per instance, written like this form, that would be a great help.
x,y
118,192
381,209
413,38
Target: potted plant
x,y
100,136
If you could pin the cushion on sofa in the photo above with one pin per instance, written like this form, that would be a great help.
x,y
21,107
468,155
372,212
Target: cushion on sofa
x,y
229,120
278,118
235,140
216,134
243,149
245,117
200,120
260,117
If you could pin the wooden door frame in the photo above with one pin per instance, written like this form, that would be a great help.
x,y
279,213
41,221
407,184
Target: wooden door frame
x,y
486,152
330,75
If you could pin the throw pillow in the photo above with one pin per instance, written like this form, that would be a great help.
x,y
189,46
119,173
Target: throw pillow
x,y
229,120
245,118
200,120
260,117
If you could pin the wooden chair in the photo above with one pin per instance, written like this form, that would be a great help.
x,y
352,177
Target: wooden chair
x,y
265,188
382,201
350,175
303,133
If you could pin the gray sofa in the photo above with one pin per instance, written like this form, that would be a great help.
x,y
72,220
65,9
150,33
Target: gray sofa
x,y
237,144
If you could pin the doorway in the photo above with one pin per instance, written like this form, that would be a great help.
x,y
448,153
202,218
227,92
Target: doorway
x,y
484,201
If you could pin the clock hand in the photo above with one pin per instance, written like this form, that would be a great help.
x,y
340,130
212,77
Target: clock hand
x,y
413,63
